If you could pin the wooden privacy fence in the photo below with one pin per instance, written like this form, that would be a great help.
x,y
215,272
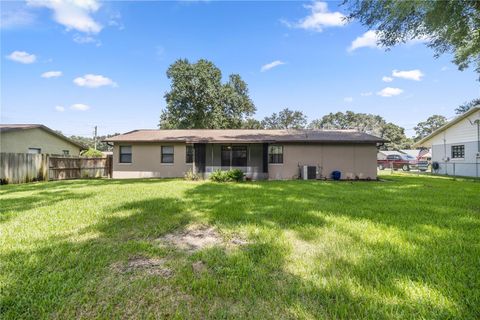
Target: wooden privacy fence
x,y
24,167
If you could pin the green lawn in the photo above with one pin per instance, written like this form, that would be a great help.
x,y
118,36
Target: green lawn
x,y
404,248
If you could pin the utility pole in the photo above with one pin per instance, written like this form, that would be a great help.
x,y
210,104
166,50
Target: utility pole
x,y
95,139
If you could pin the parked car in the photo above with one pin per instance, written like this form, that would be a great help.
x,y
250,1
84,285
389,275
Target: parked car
x,y
403,161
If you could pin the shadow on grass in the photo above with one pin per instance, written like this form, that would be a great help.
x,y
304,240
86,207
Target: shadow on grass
x,y
64,278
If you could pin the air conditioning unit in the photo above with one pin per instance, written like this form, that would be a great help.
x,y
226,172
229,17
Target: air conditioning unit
x,y
309,172
478,154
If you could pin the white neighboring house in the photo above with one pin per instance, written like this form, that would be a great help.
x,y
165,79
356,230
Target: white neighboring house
x,y
456,145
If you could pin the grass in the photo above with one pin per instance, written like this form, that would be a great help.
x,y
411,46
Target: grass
x,y
404,248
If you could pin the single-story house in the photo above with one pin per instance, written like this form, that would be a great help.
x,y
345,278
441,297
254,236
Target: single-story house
x,y
383,154
261,154
455,147
36,138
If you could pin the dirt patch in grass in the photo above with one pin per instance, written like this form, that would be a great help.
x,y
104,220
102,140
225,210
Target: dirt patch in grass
x,y
193,238
197,237
151,266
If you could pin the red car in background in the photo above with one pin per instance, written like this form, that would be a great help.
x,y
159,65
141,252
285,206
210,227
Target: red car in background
x,y
402,161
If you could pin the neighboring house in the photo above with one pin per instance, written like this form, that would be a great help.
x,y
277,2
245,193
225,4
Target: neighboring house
x,y
261,154
36,138
456,145
383,154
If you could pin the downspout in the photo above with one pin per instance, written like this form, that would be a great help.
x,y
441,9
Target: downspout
x,y
477,156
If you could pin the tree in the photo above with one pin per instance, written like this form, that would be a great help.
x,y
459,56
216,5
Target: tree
x,y
449,26
424,128
88,141
251,123
285,119
197,98
362,122
395,135
368,123
467,106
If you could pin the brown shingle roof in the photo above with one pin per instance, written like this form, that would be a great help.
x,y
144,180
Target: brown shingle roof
x,y
245,136
13,127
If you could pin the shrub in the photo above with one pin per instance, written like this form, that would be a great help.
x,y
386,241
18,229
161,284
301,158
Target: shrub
x,y
225,176
235,175
219,176
91,153
190,175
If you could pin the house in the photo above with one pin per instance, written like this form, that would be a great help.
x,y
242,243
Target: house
x,y
36,138
455,147
261,154
383,154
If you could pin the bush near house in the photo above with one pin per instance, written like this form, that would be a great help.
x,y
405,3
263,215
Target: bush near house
x,y
233,175
91,153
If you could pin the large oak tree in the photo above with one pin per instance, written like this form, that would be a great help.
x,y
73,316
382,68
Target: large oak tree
x,y
199,100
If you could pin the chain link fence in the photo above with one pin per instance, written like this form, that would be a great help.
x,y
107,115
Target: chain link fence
x,y
455,169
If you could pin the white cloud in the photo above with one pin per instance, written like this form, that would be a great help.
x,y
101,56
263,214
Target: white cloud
x,y
366,94
59,108
444,68
73,14
389,92
319,18
22,57
51,74
369,40
15,18
348,99
78,38
409,74
387,79
94,81
271,65
79,107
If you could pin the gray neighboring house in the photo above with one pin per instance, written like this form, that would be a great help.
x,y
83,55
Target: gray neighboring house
x,y
260,154
456,145
383,154
36,138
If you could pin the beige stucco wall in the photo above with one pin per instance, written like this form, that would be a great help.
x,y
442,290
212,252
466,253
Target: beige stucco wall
x,y
146,161
351,160
18,141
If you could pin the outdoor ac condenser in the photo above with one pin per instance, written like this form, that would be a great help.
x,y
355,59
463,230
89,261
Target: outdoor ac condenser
x,y
309,172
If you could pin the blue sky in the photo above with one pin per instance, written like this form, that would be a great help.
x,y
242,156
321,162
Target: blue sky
x,y
74,65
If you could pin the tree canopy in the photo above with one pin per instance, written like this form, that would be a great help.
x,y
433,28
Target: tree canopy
x,y
198,99
467,106
350,120
88,141
285,119
448,26
424,128
368,123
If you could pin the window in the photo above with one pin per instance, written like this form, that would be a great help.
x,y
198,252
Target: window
x,y
34,150
458,152
189,154
66,152
275,154
167,154
236,156
239,156
125,154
